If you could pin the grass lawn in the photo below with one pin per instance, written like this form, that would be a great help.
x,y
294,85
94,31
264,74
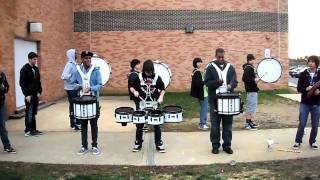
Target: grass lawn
x,y
287,169
191,105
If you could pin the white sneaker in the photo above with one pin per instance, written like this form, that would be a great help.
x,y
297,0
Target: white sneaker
x,y
204,127
314,146
296,146
82,151
95,151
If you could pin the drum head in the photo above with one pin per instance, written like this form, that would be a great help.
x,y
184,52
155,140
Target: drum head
x,y
139,113
155,113
269,70
172,109
85,99
104,66
124,110
163,71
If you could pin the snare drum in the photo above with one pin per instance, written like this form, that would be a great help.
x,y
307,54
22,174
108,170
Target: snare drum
x,y
123,114
172,114
155,117
85,107
229,104
139,117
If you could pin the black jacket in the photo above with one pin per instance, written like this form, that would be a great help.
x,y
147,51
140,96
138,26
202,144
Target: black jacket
x,y
303,83
211,80
30,80
197,84
158,87
4,87
131,78
249,77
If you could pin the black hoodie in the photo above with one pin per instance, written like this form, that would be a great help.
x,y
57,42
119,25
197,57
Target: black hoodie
x,y
249,77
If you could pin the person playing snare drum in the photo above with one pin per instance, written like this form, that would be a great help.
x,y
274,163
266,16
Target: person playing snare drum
x,y
220,77
93,86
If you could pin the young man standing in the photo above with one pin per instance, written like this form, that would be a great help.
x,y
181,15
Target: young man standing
x,y
4,88
31,87
251,86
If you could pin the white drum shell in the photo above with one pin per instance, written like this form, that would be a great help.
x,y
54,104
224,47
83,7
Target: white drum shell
x,y
229,106
155,120
138,119
122,118
85,111
173,117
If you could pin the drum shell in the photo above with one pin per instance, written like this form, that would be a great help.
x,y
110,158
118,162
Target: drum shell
x,y
155,117
173,116
139,117
123,116
229,104
85,107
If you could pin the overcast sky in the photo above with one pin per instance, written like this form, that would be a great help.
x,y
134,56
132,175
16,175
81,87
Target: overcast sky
x,y
304,28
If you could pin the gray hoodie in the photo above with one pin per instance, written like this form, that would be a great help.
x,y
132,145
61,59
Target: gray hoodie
x,y
70,71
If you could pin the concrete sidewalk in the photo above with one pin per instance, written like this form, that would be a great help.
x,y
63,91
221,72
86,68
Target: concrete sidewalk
x,y
192,148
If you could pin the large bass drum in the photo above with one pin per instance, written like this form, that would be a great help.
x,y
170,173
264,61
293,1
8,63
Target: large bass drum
x,y
105,68
163,71
269,70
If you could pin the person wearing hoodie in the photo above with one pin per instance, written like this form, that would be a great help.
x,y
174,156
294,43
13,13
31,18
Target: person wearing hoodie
x,y
70,86
220,77
251,86
94,87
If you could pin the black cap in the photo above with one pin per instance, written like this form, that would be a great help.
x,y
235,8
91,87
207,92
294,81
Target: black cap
x,y
86,53
32,55
250,57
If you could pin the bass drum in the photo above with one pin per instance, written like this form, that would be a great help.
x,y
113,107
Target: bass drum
x,y
105,68
269,70
163,71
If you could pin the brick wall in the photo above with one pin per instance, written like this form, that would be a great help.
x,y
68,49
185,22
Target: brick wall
x,y
56,17
178,49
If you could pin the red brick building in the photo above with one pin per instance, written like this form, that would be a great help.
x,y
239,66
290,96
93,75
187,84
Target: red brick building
x,y
121,30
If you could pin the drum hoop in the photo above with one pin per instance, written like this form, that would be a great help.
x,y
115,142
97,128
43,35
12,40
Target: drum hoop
x,y
172,112
124,113
143,113
155,114
280,68
77,100
226,95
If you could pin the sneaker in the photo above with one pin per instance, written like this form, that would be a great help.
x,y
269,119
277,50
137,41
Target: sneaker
x,y
73,128
249,126
27,134
215,151
76,128
228,150
137,147
160,148
254,124
314,146
95,151
10,150
203,127
82,151
36,132
145,128
296,146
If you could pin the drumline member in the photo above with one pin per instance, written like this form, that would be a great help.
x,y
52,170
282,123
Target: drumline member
x,y
307,80
70,86
148,78
200,91
31,88
94,87
251,87
220,76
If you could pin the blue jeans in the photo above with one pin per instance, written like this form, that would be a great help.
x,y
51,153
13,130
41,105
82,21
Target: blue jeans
x,y
3,130
31,111
304,111
203,111
216,120
71,95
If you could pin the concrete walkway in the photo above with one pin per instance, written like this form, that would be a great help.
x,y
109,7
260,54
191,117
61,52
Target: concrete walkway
x,y
60,144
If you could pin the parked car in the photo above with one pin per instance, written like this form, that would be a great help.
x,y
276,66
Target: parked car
x,y
296,72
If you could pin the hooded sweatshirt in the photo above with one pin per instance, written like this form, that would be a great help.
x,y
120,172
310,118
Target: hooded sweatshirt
x,y
70,71
249,77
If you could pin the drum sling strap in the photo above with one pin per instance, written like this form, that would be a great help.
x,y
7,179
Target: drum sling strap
x,y
85,78
148,90
222,75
